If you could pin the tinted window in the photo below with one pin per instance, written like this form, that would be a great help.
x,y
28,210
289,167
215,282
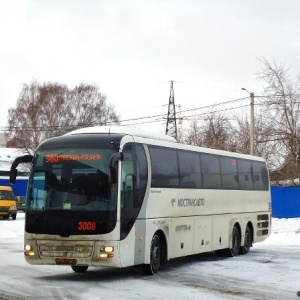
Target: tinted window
x,y
190,171
134,181
141,174
260,176
210,171
245,174
187,169
164,167
229,173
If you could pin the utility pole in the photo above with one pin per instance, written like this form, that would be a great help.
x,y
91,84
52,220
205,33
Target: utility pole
x,y
252,152
179,129
171,128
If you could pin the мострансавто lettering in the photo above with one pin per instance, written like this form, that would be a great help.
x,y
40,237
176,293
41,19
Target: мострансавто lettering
x,y
188,202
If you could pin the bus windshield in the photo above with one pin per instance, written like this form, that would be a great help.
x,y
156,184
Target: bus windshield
x,y
71,183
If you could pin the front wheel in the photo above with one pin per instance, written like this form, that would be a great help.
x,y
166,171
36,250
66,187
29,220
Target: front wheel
x,y
155,257
79,269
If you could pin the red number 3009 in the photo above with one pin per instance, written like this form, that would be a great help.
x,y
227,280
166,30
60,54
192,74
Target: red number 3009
x,y
87,226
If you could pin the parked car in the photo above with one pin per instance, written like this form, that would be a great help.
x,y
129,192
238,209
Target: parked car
x,y
21,203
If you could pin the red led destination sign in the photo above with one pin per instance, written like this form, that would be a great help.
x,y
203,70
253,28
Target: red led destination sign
x,y
56,158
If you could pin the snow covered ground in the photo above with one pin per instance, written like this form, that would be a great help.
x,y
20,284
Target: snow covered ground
x,y
271,270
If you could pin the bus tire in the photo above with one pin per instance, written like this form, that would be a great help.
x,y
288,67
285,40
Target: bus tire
x,y
247,241
155,257
14,216
235,243
79,269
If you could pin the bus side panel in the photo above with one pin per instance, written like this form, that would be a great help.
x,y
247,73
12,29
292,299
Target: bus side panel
x,y
220,231
181,237
127,249
202,234
140,239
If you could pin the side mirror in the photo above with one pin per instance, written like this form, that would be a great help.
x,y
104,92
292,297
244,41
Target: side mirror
x,y
13,169
13,176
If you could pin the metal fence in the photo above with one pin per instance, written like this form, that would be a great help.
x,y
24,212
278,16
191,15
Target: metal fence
x,y
285,202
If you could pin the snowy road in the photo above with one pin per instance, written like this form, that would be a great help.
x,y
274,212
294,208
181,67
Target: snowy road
x,y
270,271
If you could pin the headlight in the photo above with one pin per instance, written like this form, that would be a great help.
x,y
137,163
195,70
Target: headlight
x,y
106,252
28,251
27,248
107,249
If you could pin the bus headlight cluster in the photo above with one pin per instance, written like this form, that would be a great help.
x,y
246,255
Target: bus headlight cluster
x,y
106,252
28,251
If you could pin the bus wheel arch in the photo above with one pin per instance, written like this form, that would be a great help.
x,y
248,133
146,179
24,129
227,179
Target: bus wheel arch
x,y
158,253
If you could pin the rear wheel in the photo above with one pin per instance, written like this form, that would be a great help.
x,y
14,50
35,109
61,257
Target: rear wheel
x,y
79,269
155,257
247,242
235,244
14,216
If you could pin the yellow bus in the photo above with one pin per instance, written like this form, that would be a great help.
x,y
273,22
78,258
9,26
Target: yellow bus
x,y
8,206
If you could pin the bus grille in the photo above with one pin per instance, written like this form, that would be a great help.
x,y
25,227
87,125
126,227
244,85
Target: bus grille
x,y
4,209
262,225
68,251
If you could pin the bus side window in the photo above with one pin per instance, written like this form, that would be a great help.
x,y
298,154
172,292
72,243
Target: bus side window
x,y
229,173
245,174
211,171
190,169
260,176
165,170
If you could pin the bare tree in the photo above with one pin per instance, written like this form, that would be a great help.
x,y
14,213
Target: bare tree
x,y
241,134
281,106
215,131
52,109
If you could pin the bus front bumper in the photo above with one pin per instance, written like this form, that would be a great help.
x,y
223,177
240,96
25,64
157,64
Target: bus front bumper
x,y
88,253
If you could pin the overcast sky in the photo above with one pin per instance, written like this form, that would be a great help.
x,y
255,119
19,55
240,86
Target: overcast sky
x,y
133,49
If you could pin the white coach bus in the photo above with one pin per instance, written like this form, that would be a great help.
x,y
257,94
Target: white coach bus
x,y
118,197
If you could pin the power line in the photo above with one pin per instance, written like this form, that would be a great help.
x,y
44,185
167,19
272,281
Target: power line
x,y
161,116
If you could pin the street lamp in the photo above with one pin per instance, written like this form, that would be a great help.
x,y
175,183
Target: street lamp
x,y
251,121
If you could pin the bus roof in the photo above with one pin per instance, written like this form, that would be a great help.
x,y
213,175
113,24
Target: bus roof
x,y
5,188
123,130
159,139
